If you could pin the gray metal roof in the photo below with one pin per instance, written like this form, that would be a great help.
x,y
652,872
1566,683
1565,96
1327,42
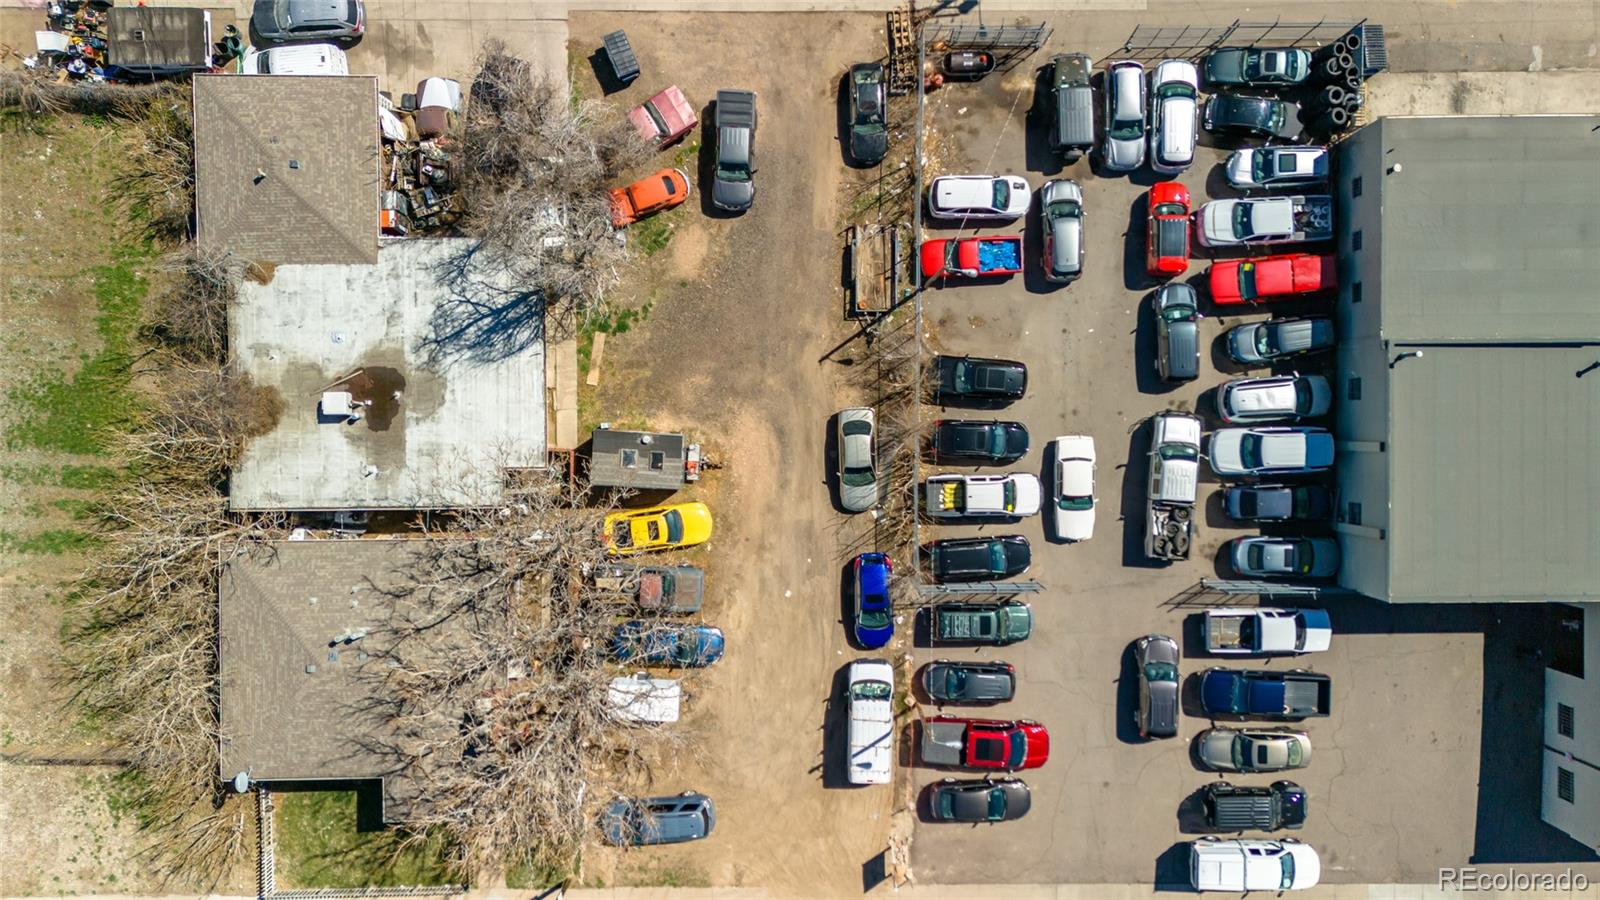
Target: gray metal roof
x,y
1494,474
636,459
1490,228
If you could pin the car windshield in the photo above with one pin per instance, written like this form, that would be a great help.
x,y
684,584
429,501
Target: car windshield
x,y
1002,193
857,476
871,690
1241,220
1300,554
674,520
1169,209
1288,871
656,118
1177,451
733,171
1177,312
947,805
1064,209
963,375
955,681
622,533
1160,671
997,441
1302,396
1265,344
1247,281
1174,89
1019,749
1256,557
997,804
873,618
1069,502
1250,451
1296,755
1127,129
1241,752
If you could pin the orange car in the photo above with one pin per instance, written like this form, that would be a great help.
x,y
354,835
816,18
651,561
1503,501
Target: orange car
x,y
663,190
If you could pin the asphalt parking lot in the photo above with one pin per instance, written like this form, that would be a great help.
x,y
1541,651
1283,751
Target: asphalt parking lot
x,y
1404,736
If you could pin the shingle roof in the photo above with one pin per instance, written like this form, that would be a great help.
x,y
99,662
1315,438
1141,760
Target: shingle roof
x,y
286,167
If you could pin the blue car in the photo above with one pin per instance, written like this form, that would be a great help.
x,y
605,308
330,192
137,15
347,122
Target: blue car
x,y
659,644
874,618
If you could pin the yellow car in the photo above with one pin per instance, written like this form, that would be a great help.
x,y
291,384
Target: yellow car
x,y
657,528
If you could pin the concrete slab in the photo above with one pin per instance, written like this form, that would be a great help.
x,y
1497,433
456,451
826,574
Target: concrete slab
x,y
1566,92
454,385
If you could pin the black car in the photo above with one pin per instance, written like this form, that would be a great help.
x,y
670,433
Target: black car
x,y
969,683
869,136
979,800
1264,117
984,443
975,381
286,21
1230,808
1278,502
979,559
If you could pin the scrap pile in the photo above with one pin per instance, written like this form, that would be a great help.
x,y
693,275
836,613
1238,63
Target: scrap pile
x,y
74,46
419,159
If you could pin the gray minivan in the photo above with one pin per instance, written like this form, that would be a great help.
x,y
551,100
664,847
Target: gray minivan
x,y
1177,333
1230,808
637,822
1071,105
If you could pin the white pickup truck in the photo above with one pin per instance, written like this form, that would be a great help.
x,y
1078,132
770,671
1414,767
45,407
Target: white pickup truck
x,y
1266,220
1172,485
1242,866
1266,630
1008,496
871,721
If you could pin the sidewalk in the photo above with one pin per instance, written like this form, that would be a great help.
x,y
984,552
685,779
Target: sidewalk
x,y
1572,91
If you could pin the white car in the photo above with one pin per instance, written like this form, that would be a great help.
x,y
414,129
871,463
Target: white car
x,y
871,721
1241,866
1074,487
1277,167
997,197
1272,450
296,59
1125,116
1174,115
1246,400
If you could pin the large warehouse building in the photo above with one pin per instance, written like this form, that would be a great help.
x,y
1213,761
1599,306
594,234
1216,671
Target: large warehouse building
x,y
1468,392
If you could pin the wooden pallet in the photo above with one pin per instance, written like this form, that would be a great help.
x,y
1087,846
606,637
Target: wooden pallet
x,y
902,52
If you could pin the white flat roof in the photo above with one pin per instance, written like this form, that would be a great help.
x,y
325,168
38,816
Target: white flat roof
x,y
468,406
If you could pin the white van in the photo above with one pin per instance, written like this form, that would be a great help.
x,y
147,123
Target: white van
x,y
871,712
1242,866
645,700
296,59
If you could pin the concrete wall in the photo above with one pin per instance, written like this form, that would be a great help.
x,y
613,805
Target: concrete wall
x,y
1361,425
1579,754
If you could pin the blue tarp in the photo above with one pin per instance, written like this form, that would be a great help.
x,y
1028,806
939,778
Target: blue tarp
x,y
994,255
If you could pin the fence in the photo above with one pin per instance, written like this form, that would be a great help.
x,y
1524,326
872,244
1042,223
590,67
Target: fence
x,y
1153,42
1009,44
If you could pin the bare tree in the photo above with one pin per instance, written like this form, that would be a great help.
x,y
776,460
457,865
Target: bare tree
x,y
189,309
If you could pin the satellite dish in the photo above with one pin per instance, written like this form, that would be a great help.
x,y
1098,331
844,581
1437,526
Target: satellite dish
x,y
241,782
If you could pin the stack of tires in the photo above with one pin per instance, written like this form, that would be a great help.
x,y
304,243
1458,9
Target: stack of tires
x,y
1336,75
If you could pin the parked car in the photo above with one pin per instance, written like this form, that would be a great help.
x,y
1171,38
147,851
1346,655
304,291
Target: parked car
x,y
1270,450
295,59
1125,116
984,624
1254,750
1072,106
1011,495
979,558
871,702
1228,808
1073,488
858,460
733,186
1257,65
1174,115
1061,217
633,822
956,742
1242,866
285,21
1271,277
1278,503
647,196
869,136
1266,630
969,683
1247,116
967,64
1247,400
667,644
983,443
979,800
985,256
1177,333
1269,167
1167,238
657,528
874,619
1284,557
665,117
1265,220
979,197
1261,342
1156,657
671,589
977,381
1278,694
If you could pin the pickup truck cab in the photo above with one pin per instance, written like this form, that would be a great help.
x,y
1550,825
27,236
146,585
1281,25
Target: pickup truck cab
x,y
664,118
953,742
1013,495
991,624
1265,694
1241,866
671,589
1265,630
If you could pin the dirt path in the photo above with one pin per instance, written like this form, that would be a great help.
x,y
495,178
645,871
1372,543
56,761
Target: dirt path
x,y
746,308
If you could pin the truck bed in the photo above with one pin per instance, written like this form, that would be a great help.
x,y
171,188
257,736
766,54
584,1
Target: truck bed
x,y
736,109
942,743
1228,631
1307,694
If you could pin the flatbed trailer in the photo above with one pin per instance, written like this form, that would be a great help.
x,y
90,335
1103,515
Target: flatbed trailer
x,y
875,269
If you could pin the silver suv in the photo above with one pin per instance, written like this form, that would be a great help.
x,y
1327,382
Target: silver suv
x,y
1061,213
1125,116
1245,400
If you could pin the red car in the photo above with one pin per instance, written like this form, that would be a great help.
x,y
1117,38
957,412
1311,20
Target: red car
x,y
664,118
984,743
973,257
1252,280
1169,229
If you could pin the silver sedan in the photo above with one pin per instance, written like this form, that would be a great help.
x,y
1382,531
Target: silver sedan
x,y
858,466
1230,750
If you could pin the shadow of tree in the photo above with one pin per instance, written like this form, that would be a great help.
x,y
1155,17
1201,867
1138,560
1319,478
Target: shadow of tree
x,y
485,317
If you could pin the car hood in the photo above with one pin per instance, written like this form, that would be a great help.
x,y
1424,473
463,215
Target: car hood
x,y
1216,221
1242,343
1123,155
1225,66
1240,168
1216,749
1224,450
868,142
734,195
1028,494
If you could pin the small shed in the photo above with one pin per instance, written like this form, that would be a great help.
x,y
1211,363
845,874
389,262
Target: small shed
x,y
159,40
636,459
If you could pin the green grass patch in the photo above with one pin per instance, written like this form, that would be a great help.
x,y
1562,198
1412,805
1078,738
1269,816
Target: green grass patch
x,y
321,845
78,478
612,323
52,542
76,414
687,156
652,235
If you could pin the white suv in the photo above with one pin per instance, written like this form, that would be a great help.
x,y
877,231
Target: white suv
x,y
871,721
979,196
1174,115
1245,400
296,59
